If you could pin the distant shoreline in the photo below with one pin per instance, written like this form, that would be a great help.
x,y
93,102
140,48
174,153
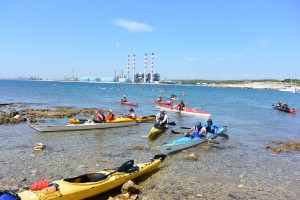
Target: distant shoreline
x,y
258,84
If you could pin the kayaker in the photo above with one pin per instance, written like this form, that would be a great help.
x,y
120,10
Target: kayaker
x,y
131,114
161,120
99,116
124,99
210,127
110,115
159,99
181,105
198,131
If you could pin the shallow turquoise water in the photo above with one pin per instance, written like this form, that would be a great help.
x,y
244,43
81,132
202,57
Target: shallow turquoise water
x,y
238,167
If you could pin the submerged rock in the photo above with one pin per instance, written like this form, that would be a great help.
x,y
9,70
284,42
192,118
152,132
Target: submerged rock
x,y
294,146
129,192
190,157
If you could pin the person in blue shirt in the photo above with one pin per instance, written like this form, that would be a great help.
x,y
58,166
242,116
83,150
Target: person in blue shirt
x,y
198,131
210,127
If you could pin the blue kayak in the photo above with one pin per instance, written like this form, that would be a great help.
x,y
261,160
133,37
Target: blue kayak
x,y
187,142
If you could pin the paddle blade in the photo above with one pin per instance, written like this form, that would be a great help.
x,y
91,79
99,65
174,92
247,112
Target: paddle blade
x,y
172,123
175,132
223,135
213,141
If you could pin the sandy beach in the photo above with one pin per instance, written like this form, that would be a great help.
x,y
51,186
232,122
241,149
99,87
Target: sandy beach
x,y
256,85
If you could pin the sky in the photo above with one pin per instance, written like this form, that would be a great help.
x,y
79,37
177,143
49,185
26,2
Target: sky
x,y
191,39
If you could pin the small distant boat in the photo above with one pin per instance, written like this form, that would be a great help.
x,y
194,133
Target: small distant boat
x,y
285,109
162,102
102,88
189,111
289,88
128,103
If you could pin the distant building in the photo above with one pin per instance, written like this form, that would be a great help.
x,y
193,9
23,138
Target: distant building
x,y
108,80
139,77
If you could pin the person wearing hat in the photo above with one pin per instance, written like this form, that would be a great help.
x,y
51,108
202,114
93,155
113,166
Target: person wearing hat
x,y
210,127
181,105
161,120
110,115
159,99
198,131
131,114
99,117
124,99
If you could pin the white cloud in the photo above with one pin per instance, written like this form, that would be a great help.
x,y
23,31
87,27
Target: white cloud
x,y
218,58
118,45
264,43
191,59
259,45
237,55
134,26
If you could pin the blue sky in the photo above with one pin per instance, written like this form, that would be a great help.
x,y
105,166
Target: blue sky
x,y
213,39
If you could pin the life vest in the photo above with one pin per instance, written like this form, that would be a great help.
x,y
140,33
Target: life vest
x,y
161,116
208,128
197,133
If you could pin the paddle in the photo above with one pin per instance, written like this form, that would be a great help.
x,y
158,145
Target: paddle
x,y
172,123
210,140
219,134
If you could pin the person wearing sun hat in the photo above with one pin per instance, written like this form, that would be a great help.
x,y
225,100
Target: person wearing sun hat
x,y
131,114
161,120
198,131
124,98
110,115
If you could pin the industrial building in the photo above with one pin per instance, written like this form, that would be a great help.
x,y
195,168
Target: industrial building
x,y
136,77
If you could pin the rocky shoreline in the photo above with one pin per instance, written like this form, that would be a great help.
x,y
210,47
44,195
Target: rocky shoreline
x,y
12,113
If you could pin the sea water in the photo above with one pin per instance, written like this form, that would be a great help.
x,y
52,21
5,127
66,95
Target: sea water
x,y
237,168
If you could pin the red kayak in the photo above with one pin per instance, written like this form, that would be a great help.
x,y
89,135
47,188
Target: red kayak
x,y
128,103
162,102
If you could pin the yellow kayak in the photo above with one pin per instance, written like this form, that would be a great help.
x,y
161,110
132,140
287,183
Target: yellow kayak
x,y
146,119
117,120
92,184
120,120
154,132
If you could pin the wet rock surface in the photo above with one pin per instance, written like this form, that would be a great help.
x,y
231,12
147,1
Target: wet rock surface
x,y
282,147
10,115
129,191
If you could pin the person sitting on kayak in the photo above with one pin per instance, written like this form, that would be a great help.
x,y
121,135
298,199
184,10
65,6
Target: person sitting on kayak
x,y
110,115
99,116
159,99
210,127
198,131
124,99
131,114
161,120
181,105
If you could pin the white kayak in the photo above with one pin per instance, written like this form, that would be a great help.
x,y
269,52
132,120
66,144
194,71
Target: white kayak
x,y
75,127
187,142
189,111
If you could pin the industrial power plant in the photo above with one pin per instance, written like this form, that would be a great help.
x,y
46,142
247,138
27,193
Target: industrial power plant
x,y
136,77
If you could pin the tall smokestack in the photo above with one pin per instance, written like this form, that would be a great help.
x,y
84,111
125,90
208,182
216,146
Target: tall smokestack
x,y
133,75
128,63
152,65
145,67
